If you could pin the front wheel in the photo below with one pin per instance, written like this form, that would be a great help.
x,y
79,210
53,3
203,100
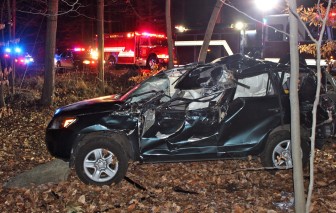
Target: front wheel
x,y
101,162
278,151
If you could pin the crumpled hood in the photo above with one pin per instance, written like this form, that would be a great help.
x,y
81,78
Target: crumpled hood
x,y
100,104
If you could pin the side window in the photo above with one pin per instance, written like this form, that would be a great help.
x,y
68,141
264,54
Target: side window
x,y
144,41
158,41
260,85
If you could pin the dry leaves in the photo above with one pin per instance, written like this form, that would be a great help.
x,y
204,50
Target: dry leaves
x,y
211,186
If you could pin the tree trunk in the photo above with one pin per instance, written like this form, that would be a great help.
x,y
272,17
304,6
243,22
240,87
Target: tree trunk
x,y
209,30
11,42
100,30
295,112
14,37
316,103
169,35
2,97
49,67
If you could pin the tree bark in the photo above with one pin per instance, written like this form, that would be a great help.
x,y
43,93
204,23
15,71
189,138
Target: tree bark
x,y
209,30
11,42
100,30
316,103
49,67
169,35
2,96
295,112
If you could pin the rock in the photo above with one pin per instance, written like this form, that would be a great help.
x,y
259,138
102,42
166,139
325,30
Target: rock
x,y
51,172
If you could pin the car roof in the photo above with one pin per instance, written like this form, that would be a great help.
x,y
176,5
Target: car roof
x,y
244,66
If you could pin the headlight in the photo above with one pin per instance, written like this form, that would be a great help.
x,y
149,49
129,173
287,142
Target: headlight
x,y
86,62
62,122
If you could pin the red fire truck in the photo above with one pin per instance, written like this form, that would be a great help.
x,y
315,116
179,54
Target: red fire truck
x,y
140,48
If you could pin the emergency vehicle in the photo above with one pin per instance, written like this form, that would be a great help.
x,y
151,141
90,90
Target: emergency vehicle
x,y
17,55
141,48
77,58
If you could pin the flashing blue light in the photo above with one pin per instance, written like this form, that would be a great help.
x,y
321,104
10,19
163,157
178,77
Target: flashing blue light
x,y
17,49
8,50
28,60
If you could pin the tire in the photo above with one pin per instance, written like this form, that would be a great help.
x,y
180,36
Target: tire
x,y
100,161
110,63
152,62
277,152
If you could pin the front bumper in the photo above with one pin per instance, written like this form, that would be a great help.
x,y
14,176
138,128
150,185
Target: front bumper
x,y
59,142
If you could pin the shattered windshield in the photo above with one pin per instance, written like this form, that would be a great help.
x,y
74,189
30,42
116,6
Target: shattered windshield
x,y
191,84
207,77
148,88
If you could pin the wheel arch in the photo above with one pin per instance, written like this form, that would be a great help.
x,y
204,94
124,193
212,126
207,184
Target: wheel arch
x,y
305,133
119,137
285,127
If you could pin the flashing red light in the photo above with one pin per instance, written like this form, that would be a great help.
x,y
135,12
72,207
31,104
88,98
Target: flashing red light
x,y
130,35
333,14
6,55
78,49
145,34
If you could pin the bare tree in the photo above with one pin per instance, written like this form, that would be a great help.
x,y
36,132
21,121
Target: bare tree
x,y
169,35
323,18
10,40
2,73
49,70
318,50
100,30
2,97
295,111
209,30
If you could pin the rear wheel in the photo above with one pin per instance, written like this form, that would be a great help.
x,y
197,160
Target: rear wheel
x,y
110,63
278,151
101,161
153,62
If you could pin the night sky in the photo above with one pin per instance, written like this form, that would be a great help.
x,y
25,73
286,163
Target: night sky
x,y
72,27
197,12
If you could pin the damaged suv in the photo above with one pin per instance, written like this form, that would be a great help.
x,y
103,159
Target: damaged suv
x,y
230,108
